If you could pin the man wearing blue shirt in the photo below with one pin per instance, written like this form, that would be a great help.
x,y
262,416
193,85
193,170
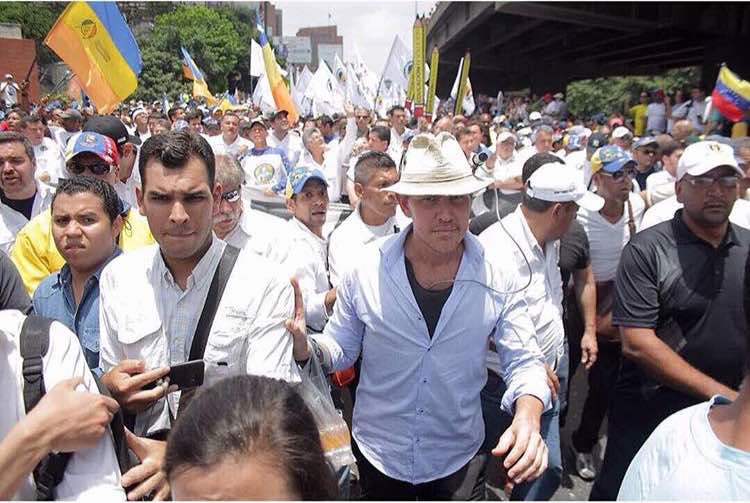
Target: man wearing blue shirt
x,y
86,221
421,308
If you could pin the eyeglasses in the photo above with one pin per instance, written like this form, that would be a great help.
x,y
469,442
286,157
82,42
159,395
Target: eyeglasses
x,y
232,196
98,168
704,182
649,152
362,116
619,175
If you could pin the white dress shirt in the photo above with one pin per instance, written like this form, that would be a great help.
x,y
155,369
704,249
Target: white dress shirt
x,y
91,474
665,210
544,294
49,160
145,315
256,231
659,186
304,255
507,169
347,240
607,239
418,416
220,147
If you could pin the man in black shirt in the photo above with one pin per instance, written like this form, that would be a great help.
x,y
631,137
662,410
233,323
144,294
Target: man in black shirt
x,y
679,308
17,169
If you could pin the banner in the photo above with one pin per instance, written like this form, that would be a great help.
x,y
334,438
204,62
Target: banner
x,y
191,71
434,61
93,39
463,76
278,87
417,67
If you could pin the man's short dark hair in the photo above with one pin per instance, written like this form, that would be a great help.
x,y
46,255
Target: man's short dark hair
x,y
172,112
395,108
88,184
30,119
383,133
13,137
368,163
464,131
194,114
532,164
670,148
155,116
174,149
325,120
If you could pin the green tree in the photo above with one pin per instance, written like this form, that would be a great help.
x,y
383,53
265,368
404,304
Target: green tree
x,y
35,19
587,97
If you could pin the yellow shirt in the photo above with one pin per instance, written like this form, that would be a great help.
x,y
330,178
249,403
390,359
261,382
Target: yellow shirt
x,y
35,254
639,119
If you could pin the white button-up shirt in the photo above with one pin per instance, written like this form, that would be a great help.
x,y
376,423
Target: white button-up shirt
x,y
507,169
544,294
91,474
418,415
257,231
145,315
347,240
304,255
49,160
220,147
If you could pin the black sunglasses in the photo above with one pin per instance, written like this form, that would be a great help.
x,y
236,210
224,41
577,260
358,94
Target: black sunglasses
x,y
619,175
98,168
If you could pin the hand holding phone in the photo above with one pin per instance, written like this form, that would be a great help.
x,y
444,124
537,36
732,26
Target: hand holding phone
x,y
187,375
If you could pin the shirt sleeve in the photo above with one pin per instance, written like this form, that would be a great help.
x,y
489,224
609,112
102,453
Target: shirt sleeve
x,y
110,353
636,289
91,474
347,144
341,340
520,356
301,264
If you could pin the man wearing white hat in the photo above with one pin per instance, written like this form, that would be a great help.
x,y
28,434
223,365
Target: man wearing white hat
x,y
678,306
531,235
421,307
9,91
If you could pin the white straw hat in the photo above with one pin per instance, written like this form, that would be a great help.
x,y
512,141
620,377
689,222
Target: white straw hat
x,y
436,166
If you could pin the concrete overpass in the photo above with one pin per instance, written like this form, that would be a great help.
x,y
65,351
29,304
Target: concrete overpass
x,y
545,45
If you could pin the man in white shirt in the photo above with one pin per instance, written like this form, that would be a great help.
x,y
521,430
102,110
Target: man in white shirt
x,y
397,117
229,142
71,417
373,218
420,309
660,185
50,163
237,225
9,90
304,251
551,198
140,123
265,169
284,138
72,122
151,299
623,138
22,196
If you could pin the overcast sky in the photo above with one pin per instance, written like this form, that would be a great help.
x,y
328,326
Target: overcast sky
x,y
371,25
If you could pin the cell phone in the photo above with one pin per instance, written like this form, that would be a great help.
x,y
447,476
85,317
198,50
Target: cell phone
x,y
187,375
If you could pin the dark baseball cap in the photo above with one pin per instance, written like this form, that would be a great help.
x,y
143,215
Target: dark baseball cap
x,y
113,127
595,141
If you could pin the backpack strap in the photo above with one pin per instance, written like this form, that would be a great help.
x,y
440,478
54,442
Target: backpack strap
x,y
34,345
125,459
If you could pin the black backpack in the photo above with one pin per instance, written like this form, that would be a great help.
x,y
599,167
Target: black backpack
x,y
50,471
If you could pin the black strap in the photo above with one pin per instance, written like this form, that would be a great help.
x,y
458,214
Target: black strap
x,y
215,291
125,458
34,345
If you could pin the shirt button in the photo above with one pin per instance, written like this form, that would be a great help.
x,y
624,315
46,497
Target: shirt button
x,y
421,411
424,380
419,318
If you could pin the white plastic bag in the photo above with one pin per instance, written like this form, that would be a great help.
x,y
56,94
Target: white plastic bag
x,y
334,433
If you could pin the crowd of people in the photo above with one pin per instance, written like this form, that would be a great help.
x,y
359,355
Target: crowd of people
x,y
449,274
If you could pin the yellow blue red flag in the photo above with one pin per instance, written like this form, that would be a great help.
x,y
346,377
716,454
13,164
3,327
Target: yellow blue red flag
x,y
279,89
191,71
731,95
93,39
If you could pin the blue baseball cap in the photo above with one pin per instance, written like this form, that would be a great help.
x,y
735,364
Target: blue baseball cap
x,y
610,158
299,176
94,143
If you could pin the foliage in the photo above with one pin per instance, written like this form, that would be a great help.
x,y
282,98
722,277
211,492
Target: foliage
x,y
36,19
161,74
587,97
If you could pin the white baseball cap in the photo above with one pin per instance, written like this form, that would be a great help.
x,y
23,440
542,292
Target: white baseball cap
x,y
535,116
505,136
621,132
559,183
703,156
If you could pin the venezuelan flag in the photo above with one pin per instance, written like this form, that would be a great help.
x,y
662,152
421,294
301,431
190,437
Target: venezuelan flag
x,y
731,95
279,90
191,71
93,39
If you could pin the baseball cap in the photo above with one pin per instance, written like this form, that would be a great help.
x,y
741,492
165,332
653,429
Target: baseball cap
x,y
645,142
610,158
535,116
8,76
279,113
137,112
703,156
574,142
71,113
299,177
622,132
558,96
559,183
179,125
505,136
595,141
99,144
112,127
257,120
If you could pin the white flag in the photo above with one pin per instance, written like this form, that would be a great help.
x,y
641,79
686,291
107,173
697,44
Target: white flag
x,y
262,97
324,91
257,67
398,65
355,92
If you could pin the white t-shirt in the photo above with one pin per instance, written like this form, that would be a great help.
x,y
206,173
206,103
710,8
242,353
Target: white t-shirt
x,y
665,210
507,169
656,115
684,460
91,474
607,239
263,171
233,149
659,186
50,161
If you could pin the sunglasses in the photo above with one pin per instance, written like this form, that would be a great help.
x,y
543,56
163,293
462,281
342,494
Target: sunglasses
x,y
704,182
232,196
362,116
619,175
99,168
